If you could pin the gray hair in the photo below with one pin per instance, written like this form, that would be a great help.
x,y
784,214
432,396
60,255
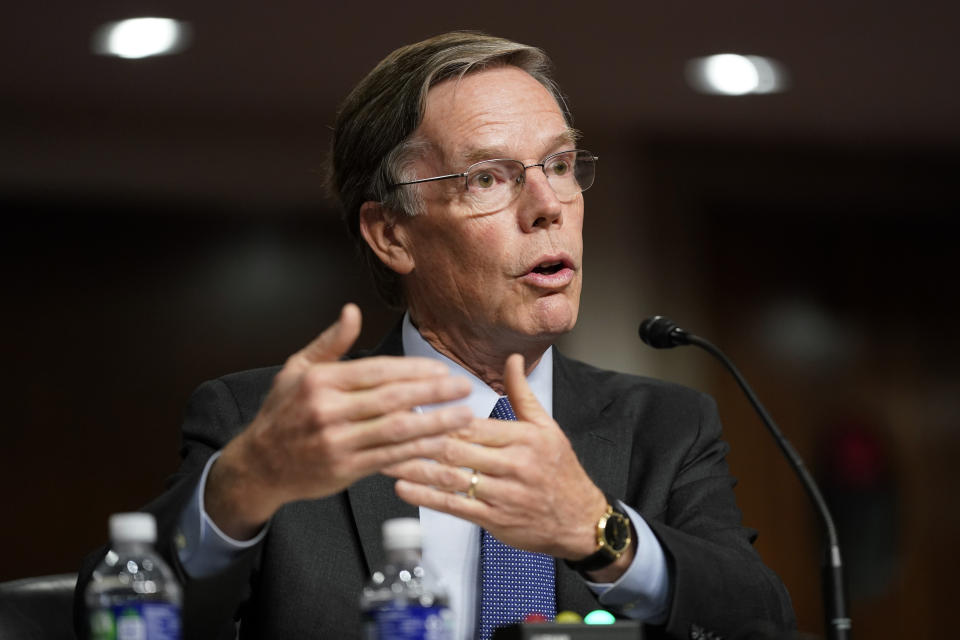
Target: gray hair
x,y
373,142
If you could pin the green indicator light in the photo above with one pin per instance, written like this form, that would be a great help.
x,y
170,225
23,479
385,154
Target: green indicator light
x,y
599,616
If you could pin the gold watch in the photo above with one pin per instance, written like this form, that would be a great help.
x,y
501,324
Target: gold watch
x,y
613,538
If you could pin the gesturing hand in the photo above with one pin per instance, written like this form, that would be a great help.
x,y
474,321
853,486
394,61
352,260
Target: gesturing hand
x,y
327,423
532,491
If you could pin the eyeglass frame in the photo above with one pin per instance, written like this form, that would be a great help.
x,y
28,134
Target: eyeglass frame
x,y
465,174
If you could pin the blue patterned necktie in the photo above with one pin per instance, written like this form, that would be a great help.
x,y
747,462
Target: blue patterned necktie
x,y
513,583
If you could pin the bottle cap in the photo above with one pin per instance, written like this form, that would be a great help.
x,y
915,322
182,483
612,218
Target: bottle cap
x,y
133,527
401,533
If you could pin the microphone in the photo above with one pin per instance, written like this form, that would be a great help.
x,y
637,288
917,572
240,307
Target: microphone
x,y
661,332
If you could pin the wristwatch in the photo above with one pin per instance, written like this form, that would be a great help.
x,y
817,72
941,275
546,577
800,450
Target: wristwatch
x,y
613,538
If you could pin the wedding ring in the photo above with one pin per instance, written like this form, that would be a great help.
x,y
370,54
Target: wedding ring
x,y
472,490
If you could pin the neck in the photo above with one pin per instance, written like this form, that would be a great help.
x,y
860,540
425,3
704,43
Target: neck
x,y
482,355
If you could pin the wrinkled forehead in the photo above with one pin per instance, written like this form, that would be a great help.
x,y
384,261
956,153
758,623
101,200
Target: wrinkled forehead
x,y
502,112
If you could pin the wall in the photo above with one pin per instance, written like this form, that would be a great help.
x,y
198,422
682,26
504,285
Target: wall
x,y
826,273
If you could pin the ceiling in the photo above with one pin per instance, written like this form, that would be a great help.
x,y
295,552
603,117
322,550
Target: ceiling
x,y
243,115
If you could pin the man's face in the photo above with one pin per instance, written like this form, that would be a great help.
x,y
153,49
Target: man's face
x,y
513,275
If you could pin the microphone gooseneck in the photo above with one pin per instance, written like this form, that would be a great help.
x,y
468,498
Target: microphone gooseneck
x,y
663,333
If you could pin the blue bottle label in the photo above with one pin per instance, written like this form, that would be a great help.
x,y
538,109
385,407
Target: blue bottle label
x,y
400,621
136,621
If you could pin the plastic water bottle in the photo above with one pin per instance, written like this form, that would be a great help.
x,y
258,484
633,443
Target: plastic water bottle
x,y
133,595
404,601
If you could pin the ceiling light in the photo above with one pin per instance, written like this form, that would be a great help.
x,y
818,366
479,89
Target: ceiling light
x,y
141,37
736,75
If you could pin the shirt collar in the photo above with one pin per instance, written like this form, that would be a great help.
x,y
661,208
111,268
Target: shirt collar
x,y
481,398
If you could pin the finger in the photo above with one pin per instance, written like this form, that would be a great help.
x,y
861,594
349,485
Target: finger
x,y
400,396
450,479
427,472
524,403
458,453
502,508
367,373
336,340
443,501
490,432
405,426
376,459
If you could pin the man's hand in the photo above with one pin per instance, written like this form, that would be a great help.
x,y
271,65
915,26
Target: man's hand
x,y
532,491
325,424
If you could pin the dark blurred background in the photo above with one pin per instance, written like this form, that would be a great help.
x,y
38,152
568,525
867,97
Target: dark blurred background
x,y
165,222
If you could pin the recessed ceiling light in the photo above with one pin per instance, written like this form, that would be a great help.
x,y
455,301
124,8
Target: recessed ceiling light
x,y
732,74
141,37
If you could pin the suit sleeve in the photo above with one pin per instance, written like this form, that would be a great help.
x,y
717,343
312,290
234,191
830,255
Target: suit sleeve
x,y
213,603
719,583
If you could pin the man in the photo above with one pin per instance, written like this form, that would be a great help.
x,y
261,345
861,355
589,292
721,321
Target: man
x,y
460,176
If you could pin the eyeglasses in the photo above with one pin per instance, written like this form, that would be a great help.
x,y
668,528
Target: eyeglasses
x,y
491,185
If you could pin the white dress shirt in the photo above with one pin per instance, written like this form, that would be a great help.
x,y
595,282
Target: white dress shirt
x,y
451,546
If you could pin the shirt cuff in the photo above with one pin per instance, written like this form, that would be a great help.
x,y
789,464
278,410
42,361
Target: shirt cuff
x,y
643,591
202,548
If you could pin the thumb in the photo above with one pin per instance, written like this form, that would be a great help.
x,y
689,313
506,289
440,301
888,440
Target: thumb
x,y
336,339
524,403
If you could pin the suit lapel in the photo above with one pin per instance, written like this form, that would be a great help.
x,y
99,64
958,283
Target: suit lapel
x,y
372,499
603,448
602,443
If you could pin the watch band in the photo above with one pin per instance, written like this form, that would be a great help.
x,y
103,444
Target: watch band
x,y
604,556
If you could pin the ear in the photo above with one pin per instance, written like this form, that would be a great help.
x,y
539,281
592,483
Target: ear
x,y
386,238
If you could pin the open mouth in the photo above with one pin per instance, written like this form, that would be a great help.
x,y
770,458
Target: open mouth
x,y
548,268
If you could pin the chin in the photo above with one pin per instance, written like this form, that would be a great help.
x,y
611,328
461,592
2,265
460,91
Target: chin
x,y
553,316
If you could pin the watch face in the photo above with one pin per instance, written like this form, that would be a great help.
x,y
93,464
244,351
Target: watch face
x,y
617,532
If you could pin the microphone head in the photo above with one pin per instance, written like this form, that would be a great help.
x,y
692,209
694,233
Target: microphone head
x,y
661,332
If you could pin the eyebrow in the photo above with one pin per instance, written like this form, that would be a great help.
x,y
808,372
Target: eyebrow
x,y
566,139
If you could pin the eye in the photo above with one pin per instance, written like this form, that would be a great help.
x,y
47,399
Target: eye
x,y
489,175
560,166
483,180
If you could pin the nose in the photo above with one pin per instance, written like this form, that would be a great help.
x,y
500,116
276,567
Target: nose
x,y
539,206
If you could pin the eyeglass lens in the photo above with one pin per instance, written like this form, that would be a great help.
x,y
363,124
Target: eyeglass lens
x,y
495,183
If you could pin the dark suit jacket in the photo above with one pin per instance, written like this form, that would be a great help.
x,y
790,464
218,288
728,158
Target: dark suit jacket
x,y
655,445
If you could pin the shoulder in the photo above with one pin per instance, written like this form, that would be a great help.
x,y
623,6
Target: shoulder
x,y
243,392
239,394
619,388
251,381
663,419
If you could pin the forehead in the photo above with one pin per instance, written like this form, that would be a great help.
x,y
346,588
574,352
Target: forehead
x,y
498,112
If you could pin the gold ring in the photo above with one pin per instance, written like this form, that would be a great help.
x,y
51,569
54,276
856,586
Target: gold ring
x,y
472,490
